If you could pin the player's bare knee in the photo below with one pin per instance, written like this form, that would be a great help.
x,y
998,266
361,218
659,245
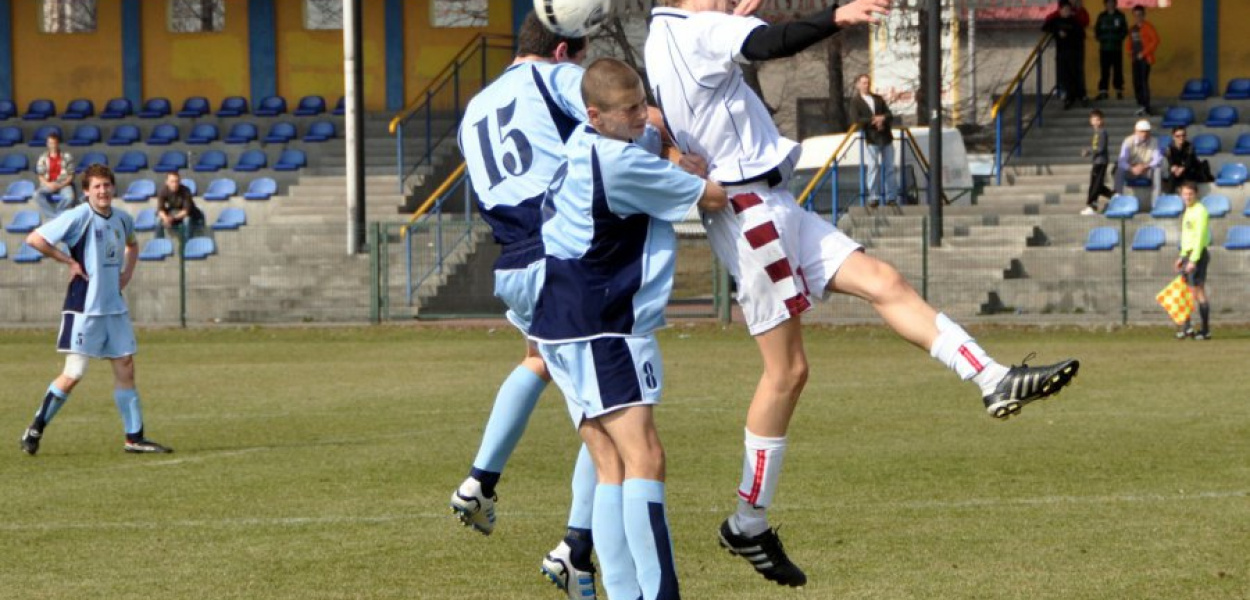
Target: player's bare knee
x,y
124,371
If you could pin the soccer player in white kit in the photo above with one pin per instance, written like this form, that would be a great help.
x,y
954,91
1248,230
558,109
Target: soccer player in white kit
x,y
782,256
95,322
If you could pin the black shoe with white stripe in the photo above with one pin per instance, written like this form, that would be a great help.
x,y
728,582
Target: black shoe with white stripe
x,y
765,553
30,440
1025,384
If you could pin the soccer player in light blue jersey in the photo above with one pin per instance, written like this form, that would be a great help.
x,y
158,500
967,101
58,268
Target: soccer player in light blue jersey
x,y
512,137
95,322
610,255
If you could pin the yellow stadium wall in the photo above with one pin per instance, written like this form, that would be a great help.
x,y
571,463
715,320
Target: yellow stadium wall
x,y
179,65
1178,59
427,49
311,62
1234,48
65,66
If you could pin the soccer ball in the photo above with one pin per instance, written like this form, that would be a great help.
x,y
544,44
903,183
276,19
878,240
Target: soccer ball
x,y
572,18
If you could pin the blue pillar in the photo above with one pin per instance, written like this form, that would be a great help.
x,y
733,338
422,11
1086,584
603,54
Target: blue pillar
x,y
262,48
132,52
394,55
520,8
1211,42
6,50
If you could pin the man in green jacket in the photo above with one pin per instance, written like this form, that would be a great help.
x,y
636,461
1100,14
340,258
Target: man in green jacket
x,y
1111,29
1194,258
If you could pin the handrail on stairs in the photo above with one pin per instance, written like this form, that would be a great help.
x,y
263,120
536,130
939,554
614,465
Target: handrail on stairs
x,y
432,210
1015,90
829,168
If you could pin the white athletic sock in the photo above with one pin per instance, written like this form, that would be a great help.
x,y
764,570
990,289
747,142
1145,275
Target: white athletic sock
x,y
761,468
963,355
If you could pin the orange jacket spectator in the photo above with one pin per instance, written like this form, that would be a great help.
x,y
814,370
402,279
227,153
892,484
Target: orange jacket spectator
x,y
1149,42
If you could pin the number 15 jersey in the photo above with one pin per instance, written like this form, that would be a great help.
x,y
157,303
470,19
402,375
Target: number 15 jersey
x,y
512,138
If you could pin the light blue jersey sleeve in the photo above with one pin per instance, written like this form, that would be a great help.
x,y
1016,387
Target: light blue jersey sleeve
x,y
638,182
567,81
67,227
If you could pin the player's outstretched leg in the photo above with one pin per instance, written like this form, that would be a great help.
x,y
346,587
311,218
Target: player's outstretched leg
x,y
474,501
568,566
1024,384
52,402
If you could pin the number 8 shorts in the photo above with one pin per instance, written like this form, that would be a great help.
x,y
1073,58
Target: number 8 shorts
x,y
605,374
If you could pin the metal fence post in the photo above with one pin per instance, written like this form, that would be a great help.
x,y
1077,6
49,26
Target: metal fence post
x,y
924,258
998,148
1123,272
399,155
182,275
375,312
384,273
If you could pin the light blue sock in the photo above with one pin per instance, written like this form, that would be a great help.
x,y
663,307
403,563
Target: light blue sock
x,y
53,400
513,405
646,527
584,481
616,564
128,405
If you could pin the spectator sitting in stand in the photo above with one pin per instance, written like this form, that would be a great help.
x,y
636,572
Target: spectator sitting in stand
x,y
174,207
55,170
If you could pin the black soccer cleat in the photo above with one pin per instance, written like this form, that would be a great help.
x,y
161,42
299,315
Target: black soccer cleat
x,y
146,446
30,441
765,553
1025,384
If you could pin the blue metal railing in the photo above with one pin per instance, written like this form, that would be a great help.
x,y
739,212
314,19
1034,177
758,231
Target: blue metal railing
x,y
435,114
449,231
828,173
1015,91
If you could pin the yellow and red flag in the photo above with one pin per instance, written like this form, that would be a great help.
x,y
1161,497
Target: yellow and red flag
x,y
1177,300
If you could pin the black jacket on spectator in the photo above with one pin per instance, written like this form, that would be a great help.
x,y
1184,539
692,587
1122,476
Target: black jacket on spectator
x,y
862,115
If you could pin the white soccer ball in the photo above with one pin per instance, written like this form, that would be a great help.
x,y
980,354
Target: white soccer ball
x,y
573,18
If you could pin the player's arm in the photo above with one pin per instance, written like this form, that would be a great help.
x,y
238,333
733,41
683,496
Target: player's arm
x,y
787,39
131,256
714,197
38,242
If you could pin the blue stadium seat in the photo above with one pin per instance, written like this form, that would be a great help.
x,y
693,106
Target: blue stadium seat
x,y
155,108
1149,238
310,106
320,131
39,110
1168,206
1197,89
117,108
1222,116
1238,238
85,135
191,186
1102,239
1245,210
1122,207
1178,116
1206,144
146,220
10,136
199,248
252,160
124,135
27,254
24,221
261,189
281,133
271,106
291,159
1217,205
132,161
39,139
233,106
13,163
91,158
171,161
204,133
1242,147
1231,175
213,160
221,189
78,110
230,219
19,191
157,249
163,135
4,250
1238,89
140,190
194,107
8,110
241,133
340,107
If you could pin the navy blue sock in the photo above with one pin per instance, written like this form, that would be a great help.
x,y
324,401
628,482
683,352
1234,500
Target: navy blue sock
x,y
488,479
581,543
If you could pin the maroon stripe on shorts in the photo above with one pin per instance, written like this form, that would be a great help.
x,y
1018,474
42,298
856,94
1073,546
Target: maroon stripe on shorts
x,y
779,270
798,304
761,235
742,202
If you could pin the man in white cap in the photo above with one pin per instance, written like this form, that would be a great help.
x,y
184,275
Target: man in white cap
x,y
1139,158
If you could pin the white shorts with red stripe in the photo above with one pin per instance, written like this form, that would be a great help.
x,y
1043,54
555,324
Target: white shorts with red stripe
x,y
781,255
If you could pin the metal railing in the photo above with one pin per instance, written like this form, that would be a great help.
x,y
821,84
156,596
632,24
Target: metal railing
x,y
434,115
1011,103
828,173
433,234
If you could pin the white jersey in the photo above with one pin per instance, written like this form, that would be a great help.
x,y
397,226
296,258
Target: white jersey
x,y
693,64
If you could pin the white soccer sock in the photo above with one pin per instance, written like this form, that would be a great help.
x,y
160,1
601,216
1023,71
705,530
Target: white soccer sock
x,y
963,355
761,468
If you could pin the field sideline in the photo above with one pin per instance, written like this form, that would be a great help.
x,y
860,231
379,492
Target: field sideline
x,y
316,463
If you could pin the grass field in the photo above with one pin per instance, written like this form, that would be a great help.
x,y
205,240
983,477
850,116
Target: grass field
x,y
317,464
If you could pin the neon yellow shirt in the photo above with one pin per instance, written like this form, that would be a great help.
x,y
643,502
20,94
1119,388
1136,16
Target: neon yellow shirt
x,y
1195,232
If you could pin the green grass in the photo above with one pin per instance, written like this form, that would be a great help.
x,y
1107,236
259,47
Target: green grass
x,y
317,464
